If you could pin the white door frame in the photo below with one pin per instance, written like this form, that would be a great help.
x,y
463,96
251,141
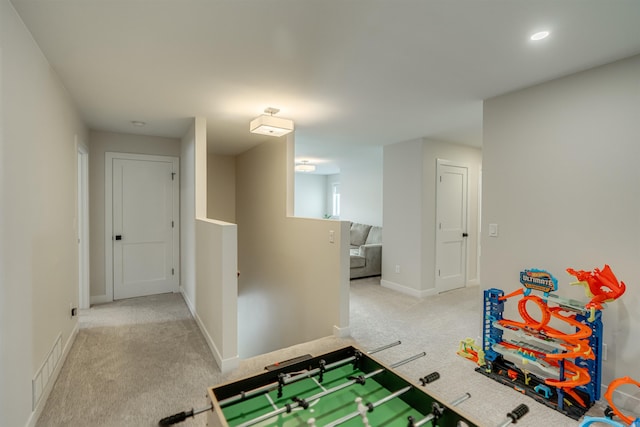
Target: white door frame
x,y
108,214
439,163
479,234
83,227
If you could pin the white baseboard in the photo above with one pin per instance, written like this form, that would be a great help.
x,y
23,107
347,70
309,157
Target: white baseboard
x,y
473,282
187,300
37,411
407,290
339,332
225,365
100,299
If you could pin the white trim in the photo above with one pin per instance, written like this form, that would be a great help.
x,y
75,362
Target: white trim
x,y
479,234
339,332
108,212
407,290
473,282
108,226
190,305
84,290
100,299
37,411
225,365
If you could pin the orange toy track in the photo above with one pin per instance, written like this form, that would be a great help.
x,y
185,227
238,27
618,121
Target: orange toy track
x,y
577,344
574,376
576,341
609,396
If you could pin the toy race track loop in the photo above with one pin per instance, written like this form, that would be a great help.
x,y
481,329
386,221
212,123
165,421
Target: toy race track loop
x,y
609,396
612,410
560,369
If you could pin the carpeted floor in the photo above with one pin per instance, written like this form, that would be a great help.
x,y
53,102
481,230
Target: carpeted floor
x,y
138,360
131,362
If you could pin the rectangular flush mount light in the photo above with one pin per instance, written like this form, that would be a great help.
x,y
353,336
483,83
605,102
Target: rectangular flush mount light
x,y
270,125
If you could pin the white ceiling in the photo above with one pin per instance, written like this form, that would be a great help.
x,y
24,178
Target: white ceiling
x,y
348,72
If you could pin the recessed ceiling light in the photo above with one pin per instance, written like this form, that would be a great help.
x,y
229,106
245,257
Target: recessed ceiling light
x,y
539,35
138,123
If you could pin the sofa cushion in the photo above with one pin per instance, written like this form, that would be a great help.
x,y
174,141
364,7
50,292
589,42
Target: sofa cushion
x,y
374,236
359,233
358,261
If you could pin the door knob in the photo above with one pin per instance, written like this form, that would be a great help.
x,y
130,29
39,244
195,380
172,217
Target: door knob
x,y
465,235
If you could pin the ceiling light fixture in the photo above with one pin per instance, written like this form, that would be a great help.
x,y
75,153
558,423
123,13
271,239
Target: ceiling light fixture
x,y
138,123
305,167
539,35
267,124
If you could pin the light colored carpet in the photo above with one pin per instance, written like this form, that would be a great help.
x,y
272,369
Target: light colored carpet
x,y
131,364
139,360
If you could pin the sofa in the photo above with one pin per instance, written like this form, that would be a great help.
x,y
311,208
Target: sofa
x,y
365,250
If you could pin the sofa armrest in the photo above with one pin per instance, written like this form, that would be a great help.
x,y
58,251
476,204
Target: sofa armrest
x,y
371,250
368,262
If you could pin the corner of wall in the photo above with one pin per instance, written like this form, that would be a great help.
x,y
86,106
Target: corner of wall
x,y
187,300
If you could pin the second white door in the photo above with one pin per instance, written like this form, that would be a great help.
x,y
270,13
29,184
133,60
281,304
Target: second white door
x,y
145,221
451,226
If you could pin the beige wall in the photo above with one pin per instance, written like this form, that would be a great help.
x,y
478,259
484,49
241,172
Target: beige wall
x,y
410,215
221,187
99,144
39,127
560,175
293,284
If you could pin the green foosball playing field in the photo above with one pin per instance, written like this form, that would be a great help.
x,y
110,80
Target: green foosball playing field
x,y
346,387
323,409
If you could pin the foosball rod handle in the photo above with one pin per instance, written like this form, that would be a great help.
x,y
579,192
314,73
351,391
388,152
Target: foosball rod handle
x,y
429,378
181,416
175,418
513,416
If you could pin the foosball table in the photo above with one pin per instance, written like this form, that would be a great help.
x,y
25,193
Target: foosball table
x,y
345,387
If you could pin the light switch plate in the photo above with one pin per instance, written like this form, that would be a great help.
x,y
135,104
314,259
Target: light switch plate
x,y
493,230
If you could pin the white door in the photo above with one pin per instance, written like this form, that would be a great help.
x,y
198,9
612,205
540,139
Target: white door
x,y
451,226
144,225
